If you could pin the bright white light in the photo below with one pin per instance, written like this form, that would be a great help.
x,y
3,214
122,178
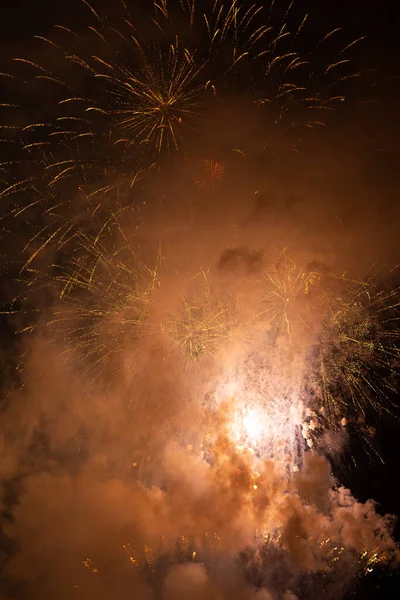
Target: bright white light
x,y
253,424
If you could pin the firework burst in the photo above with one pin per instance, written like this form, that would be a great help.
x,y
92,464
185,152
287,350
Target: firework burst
x,y
355,359
210,174
204,324
239,481
104,291
153,104
146,87
287,297
86,123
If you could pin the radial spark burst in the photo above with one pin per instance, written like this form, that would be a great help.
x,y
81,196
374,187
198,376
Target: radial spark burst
x,y
89,115
205,323
144,77
105,291
209,174
288,295
153,104
345,329
355,359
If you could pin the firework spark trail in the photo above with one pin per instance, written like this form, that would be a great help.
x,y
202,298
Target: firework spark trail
x,y
104,296
118,102
164,97
205,323
186,477
316,351
115,98
228,479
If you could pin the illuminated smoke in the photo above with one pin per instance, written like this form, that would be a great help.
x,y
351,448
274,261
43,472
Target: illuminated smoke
x,y
182,379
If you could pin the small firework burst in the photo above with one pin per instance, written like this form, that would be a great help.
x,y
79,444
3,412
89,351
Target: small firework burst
x,y
154,104
204,323
287,294
209,174
105,293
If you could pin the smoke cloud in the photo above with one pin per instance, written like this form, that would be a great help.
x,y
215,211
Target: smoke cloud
x,y
161,440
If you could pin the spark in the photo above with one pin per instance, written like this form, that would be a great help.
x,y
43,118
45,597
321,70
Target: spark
x,y
210,174
97,142
105,294
357,347
322,350
287,294
204,323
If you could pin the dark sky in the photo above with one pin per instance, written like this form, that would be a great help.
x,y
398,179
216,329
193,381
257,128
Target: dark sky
x,y
376,18
379,20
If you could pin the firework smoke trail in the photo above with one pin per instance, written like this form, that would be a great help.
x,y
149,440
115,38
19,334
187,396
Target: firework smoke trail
x,y
180,393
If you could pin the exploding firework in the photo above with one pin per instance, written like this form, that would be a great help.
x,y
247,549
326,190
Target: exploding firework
x,y
103,293
210,174
346,328
321,353
355,358
237,484
322,345
110,100
204,323
234,483
287,296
